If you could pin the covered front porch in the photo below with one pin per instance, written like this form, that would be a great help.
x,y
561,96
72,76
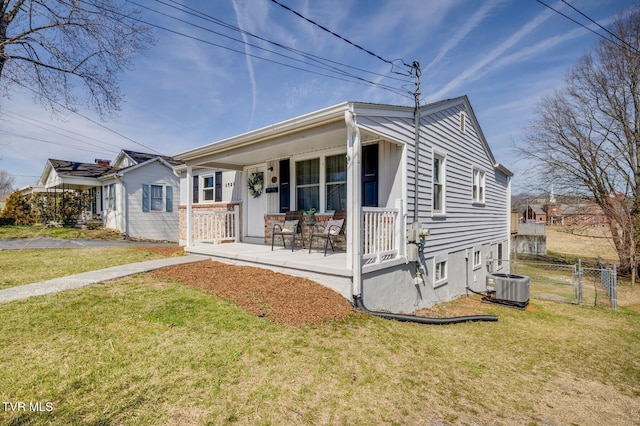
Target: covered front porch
x,y
322,162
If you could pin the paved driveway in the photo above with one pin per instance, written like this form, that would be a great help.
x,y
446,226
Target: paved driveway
x,y
48,243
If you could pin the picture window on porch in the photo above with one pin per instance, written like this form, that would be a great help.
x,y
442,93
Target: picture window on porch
x,y
308,184
438,196
336,182
208,188
212,187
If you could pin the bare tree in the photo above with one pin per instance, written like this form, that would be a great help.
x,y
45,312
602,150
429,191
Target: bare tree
x,y
6,184
586,137
54,46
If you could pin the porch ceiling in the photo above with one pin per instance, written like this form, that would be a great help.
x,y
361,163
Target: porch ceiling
x,y
260,151
284,146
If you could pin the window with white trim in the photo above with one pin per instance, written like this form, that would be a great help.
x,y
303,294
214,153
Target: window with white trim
x,y
477,258
110,197
336,182
478,186
156,198
208,188
308,184
438,193
440,271
212,187
500,254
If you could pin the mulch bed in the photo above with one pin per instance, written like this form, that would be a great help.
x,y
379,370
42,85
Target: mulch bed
x,y
283,299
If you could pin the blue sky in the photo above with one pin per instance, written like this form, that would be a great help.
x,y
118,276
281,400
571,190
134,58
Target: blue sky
x,y
182,93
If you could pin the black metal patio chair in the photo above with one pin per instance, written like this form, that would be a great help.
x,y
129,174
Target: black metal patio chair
x,y
291,227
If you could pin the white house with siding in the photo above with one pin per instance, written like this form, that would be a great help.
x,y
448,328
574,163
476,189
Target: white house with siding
x,y
137,195
427,204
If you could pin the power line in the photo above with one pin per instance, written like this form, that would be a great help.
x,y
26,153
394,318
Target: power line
x,y
202,15
342,38
31,121
308,56
392,89
90,119
79,148
586,27
604,28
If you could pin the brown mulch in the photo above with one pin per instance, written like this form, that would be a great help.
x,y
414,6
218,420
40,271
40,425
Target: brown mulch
x,y
283,299
168,251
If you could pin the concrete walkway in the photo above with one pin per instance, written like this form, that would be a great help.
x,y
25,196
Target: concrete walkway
x,y
87,278
54,243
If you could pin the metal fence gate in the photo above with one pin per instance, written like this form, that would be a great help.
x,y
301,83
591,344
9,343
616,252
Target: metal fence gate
x,y
571,283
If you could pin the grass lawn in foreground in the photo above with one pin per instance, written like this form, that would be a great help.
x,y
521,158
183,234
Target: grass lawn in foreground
x,y
28,266
58,232
143,351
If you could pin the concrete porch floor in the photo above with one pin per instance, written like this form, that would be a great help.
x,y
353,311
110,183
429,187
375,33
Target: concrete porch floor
x,y
330,271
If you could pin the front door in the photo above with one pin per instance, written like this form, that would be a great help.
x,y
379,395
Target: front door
x,y
256,201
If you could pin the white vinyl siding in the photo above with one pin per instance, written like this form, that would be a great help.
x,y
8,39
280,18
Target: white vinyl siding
x,y
463,226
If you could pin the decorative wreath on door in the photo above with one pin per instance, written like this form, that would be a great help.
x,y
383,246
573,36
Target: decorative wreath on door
x,y
255,184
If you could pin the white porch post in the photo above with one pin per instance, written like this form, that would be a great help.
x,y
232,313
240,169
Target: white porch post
x,y
189,205
354,203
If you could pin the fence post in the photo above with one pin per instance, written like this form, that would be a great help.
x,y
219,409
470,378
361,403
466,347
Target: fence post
x,y
236,223
614,288
580,290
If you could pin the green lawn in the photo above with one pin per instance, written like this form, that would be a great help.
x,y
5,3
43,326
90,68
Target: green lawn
x,y
54,232
27,266
144,352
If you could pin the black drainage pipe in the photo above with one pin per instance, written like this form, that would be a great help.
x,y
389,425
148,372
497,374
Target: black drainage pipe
x,y
359,303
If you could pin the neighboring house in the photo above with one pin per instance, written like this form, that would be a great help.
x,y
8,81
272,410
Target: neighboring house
x,y
137,195
363,158
583,213
534,214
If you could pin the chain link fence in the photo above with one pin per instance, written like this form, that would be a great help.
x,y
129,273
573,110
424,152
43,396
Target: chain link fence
x,y
570,283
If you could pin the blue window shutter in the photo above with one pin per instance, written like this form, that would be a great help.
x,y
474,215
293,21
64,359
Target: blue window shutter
x,y
169,199
146,197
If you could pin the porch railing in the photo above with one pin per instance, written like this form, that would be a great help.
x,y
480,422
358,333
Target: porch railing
x,y
382,234
216,226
